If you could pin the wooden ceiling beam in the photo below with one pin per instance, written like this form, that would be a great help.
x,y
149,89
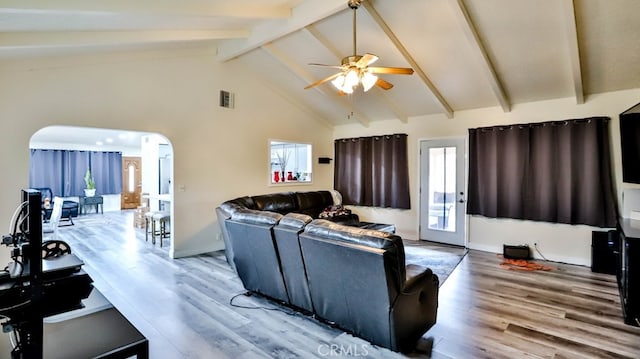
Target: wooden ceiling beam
x,y
435,94
480,53
284,94
308,12
101,38
574,49
229,9
306,76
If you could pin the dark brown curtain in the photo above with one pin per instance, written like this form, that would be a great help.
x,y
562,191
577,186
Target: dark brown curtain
x,y
553,171
373,171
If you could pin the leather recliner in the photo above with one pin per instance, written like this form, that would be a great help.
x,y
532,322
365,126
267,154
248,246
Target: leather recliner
x,y
256,257
357,278
293,268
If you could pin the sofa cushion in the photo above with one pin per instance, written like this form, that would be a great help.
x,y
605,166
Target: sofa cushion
x,y
256,217
245,201
367,237
282,203
312,203
295,221
227,209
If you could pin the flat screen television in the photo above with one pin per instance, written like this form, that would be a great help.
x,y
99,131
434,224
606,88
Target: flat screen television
x,y
630,143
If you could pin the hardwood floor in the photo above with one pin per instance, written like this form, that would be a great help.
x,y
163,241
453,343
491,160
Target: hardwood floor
x,y
182,306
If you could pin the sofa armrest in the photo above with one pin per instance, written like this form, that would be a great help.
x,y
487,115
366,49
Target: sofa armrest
x,y
414,310
416,275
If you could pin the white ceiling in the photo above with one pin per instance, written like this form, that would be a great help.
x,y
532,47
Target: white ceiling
x,y
89,138
466,53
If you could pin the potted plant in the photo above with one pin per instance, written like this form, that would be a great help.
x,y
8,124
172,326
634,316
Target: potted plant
x,y
90,184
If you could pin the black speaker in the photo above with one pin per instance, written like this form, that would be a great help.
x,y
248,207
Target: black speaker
x,y
604,251
324,160
516,252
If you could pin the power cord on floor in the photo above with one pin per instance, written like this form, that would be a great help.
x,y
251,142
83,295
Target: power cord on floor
x,y
249,294
535,245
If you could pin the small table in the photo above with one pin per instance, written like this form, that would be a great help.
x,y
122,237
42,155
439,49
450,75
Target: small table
x,y
91,201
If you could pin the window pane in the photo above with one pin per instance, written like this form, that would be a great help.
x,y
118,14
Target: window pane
x,y
132,175
442,187
289,162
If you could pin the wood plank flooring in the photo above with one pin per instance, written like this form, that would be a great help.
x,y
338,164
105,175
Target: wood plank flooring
x,y
182,307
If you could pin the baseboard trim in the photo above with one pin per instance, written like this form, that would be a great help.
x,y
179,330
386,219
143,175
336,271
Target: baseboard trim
x,y
550,257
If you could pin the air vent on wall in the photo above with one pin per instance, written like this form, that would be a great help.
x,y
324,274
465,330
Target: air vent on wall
x,y
226,99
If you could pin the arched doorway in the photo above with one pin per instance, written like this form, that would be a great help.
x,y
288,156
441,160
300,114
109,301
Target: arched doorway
x,y
153,153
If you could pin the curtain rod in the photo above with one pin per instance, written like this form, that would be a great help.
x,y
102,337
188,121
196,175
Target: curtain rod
x,y
542,124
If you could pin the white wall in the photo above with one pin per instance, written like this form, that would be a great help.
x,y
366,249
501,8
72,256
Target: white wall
x,y
558,242
219,153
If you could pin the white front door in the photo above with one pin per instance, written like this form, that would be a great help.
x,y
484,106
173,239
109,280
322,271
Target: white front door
x,y
442,191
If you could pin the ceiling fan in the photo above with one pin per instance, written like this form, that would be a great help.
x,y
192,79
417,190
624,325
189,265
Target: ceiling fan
x,y
355,69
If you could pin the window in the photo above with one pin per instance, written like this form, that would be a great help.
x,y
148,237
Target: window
x,y
289,162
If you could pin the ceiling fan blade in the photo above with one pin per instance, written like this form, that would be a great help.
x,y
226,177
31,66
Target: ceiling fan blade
x,y
366,60
319,82
331,66
391,70
385,85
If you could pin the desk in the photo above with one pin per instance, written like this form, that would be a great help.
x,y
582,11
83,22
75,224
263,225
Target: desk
x,y
97,330
91,201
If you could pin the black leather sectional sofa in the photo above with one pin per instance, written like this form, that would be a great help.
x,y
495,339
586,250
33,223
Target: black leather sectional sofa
x,y
356,278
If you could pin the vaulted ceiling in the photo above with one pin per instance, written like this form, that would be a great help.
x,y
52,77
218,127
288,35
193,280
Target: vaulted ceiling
x,y
466,53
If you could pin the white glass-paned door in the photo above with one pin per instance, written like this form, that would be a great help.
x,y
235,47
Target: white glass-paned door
x,y
442,174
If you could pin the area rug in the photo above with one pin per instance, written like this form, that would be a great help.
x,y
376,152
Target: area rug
x,y
523,265
441,263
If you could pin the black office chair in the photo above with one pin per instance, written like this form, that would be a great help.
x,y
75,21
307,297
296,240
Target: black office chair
x,y
69,208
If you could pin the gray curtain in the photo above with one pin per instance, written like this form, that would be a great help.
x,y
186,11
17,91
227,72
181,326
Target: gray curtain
x,y
553,171
373,171
63,171
106,168
47,170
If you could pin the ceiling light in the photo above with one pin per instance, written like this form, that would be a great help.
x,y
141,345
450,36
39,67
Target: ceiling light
x,y
109,140
348,81
338,82
99,143
368,80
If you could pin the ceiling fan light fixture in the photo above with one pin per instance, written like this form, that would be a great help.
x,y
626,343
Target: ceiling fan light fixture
x,y
368,80
338,82
351,79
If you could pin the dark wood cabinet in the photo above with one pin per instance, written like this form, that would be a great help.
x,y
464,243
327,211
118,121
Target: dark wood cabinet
x,y
629,271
